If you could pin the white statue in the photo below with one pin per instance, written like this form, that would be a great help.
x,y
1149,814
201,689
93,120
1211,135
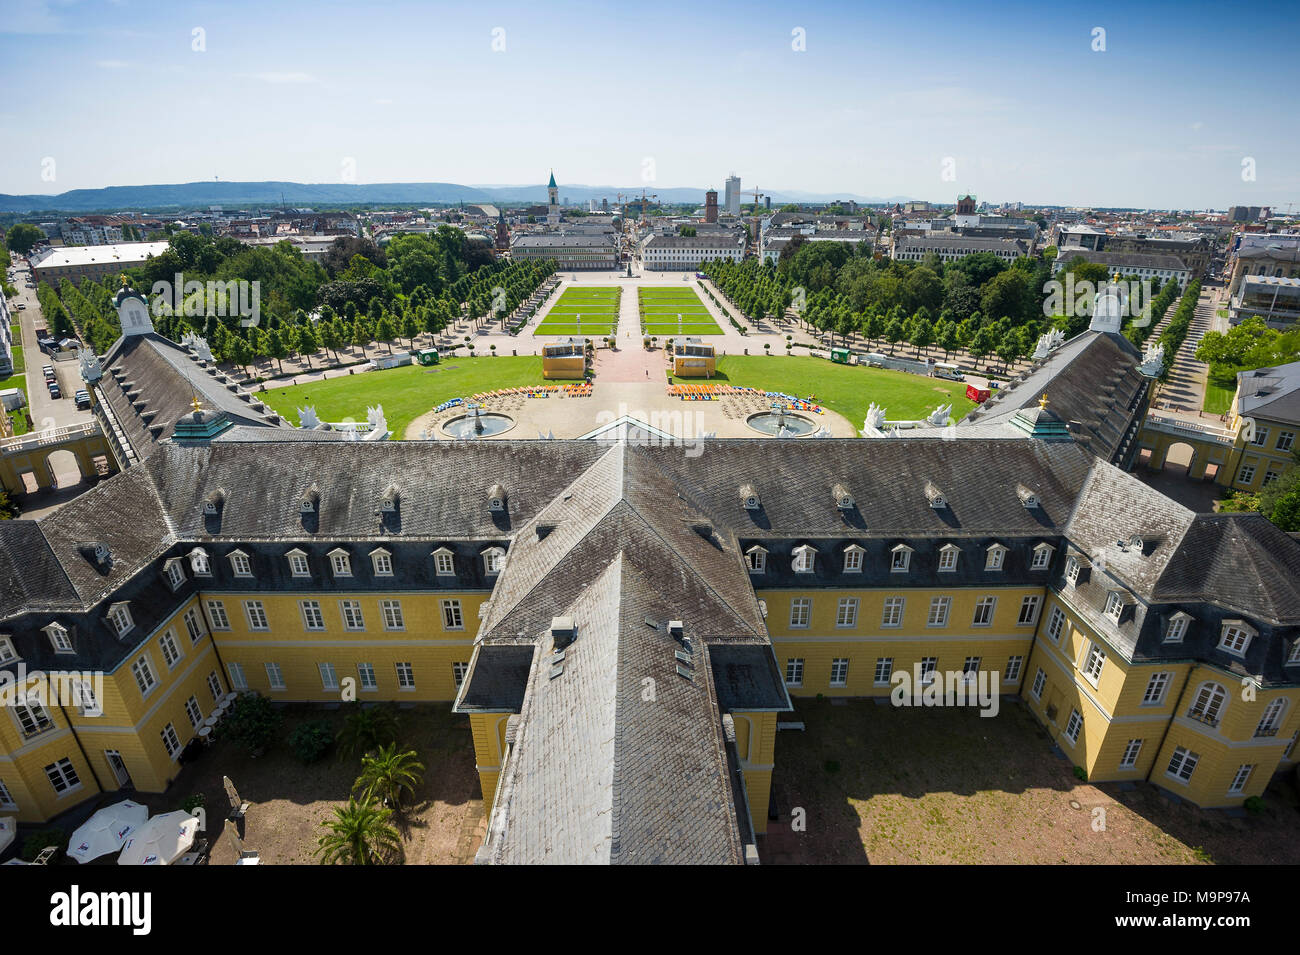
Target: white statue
x,y
375,416
1047,343
1109,308
91,370
308,418
875,420
199,345
1153,360
939,417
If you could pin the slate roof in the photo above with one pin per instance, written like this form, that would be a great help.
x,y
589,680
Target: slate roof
x,y
1092,380
163,378
1272,393
1123,260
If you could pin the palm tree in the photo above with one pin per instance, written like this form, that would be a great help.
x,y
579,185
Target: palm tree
x,y
366,729
359,834
384,774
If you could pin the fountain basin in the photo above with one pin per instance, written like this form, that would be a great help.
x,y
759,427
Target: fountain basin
x,y
772,424
488,424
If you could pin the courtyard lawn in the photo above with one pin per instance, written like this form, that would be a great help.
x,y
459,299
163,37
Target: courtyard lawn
x,y
674,311
893,785
1219,390
406,392
846,389
582,310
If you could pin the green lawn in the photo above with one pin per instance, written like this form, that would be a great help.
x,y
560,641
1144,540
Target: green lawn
x,y
597,306
660,309
846,389
21,420
406,392
1219,390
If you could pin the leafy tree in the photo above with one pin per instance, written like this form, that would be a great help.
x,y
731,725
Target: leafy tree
x,y
251,723
359,834
386,772
276,348
308,341
22,237
922,335
365,729
330,337
385,332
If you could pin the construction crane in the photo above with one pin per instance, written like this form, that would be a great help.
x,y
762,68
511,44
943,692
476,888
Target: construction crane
x,y
757,194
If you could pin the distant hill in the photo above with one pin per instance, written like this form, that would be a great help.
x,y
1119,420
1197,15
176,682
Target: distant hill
x,y
235,195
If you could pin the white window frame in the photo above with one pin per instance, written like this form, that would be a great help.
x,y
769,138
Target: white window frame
x,y
170,647
1011,674
192,625
756,560
119,615
1072,569
349,609
1094,662
853,559
846,613
390,612
1042,557
883,672
235,673
175,573
929,667
805,559
1177,628
329,678
60,638
313,616
1114,605
299,567
1073,726
940,608
194,712
458,673
891,612
1129,758
6,797
948,556
382,562
1039,684
839,672
1236,627
274,676
256,606
494,559
986,606
217,608
240,564
1241,779
1182,758
900,560
146,680
800,613
1157,688
453,617
794,671
996,557
405,676
444,562
1033,603
1209,703
340,562
67,775
8,652
367,681
171,742
214,687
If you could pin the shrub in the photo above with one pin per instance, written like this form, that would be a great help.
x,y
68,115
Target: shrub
x,y
190,803
311,740
38,840
1081,774
1254,804
832,766
251,723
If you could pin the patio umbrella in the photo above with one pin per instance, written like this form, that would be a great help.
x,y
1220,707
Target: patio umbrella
x,y
160,841
106,831
8,826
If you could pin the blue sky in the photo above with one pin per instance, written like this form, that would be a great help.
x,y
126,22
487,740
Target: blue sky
x,y
677,94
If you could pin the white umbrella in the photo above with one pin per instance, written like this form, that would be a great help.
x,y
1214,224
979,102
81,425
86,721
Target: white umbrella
x,y
8,826
107,830
160,841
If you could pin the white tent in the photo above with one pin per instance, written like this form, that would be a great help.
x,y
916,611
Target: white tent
x,y
107,830
160,841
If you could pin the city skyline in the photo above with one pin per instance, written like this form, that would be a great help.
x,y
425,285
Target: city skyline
x,y
1004,106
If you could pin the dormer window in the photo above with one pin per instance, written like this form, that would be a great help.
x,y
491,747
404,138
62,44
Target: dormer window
x,y
843,499
389,502
493,560
7,652
997,555
948,555
1176,629
900,560
496,498
309,503
298,566
1293,658
175,571
1072,568
213,502
936,497
853,559
340,562
804,558
382,562
101,552
1028,497
1116,601
1236,637
60,639
749,497
200,565
240,565
1042,557
756,559
209,507
119,616
444,562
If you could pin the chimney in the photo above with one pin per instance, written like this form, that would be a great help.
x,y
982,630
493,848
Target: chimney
x,y
563,631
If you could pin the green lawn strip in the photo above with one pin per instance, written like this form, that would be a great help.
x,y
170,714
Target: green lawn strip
x,y
1219,390
846,389
584,330
406,392
674,330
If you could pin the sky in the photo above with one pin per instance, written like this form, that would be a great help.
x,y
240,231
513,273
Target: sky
x,y
1172,105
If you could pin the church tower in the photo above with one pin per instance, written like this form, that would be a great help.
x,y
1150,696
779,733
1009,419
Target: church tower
x,y
553,195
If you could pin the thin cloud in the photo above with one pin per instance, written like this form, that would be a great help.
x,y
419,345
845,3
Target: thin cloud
x,y
281,78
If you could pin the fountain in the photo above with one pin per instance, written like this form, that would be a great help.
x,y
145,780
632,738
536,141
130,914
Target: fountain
x,y
780,423
476,423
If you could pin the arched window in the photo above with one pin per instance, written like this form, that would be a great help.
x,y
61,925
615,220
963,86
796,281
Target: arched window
x,y
1208,705
1272,718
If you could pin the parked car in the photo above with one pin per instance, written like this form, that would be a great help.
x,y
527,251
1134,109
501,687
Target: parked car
x,y
20,306
55,391
82,398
